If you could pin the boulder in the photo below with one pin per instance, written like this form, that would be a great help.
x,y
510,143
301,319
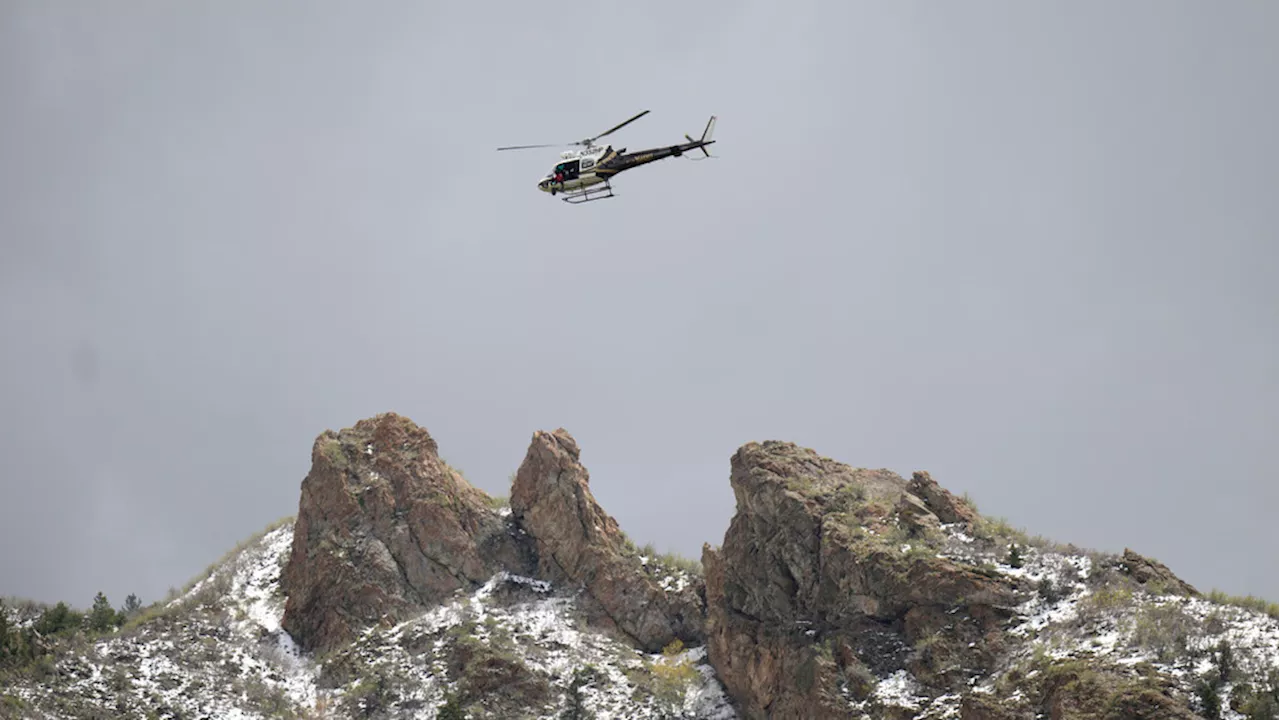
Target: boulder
x,y
940,501
1146,571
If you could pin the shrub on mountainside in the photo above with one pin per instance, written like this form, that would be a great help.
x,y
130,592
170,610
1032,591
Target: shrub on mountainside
x,y
1208,688
1263,704
672,676
1248,602
51,633
671,560
1165,630
271,701
451,709
59,619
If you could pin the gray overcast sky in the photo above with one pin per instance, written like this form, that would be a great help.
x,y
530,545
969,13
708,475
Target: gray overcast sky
x,y
1029,247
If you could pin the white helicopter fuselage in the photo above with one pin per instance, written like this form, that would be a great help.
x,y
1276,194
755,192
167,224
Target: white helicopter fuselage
x,y
576,171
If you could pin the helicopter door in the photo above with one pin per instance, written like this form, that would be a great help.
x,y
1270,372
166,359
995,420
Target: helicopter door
x,y
568,169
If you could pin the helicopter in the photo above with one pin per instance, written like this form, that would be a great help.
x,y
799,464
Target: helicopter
x,y
584,175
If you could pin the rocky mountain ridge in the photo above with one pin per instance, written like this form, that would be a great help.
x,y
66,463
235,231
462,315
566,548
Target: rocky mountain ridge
x,y
400,590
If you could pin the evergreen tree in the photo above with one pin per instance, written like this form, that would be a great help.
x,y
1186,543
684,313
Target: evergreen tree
x,y
102,617
1210,701
1224,661
1015,556
58,619
132,605
576,708
5,643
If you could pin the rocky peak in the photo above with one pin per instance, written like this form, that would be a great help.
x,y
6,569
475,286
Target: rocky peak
x,y
385,529
579,543
551,497
813,584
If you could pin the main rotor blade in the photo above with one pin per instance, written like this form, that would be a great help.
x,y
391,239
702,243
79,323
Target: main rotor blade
x,y
526,147
580,142
619,125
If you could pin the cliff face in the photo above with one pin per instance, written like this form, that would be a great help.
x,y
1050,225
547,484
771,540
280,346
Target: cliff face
x,y
385,530
812,590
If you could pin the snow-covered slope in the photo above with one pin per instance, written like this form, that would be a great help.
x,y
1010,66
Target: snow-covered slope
x,y
1083,612
218,651
520,648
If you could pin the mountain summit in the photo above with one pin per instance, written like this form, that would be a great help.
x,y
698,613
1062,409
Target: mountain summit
x,y
386,529
402,591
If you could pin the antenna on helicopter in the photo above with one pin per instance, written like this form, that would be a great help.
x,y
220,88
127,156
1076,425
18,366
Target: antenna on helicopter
x,y
585,143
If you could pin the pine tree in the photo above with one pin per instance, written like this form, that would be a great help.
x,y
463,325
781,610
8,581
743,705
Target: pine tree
x,y
1015,556
131,606
1224,661
102,617
58,619
576,708
5,643
1210,701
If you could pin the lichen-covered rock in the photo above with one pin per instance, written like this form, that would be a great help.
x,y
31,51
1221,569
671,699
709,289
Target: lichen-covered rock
x,y
578,542
821,556
385,529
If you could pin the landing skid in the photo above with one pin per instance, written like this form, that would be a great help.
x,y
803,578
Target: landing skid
x,y
588,194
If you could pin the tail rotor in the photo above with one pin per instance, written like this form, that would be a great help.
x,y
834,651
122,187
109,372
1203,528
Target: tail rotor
x,y
706,137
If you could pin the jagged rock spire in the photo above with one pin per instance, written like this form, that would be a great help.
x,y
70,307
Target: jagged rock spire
x,y
579,543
